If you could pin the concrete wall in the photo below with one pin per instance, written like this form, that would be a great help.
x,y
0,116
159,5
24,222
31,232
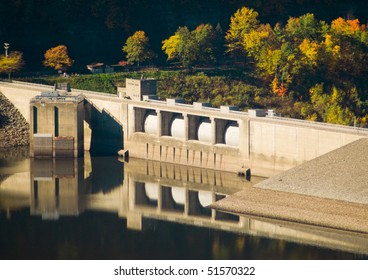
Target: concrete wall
x,y
275,146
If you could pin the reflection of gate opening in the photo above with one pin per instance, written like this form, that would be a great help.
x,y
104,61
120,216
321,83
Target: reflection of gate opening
x,y
146,194
173,199
198,203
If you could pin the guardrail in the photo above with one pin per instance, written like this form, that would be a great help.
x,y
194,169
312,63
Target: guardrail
x,y
320,124
27,84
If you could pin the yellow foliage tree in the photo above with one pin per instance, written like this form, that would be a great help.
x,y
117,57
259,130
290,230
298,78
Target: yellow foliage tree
x,y
242,22
137,48
58,58
11,63
310,51
169,46
255,40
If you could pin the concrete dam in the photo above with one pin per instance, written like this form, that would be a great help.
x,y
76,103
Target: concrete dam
x,y
195,135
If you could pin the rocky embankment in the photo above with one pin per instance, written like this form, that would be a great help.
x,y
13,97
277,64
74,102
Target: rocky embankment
x,y
14,130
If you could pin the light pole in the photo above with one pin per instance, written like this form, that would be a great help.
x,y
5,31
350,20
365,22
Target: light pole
x,y
6,47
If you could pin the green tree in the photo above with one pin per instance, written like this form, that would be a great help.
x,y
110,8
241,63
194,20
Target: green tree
x,y
137,48
209,42
304,27
11,63
187,48
193,47
58,58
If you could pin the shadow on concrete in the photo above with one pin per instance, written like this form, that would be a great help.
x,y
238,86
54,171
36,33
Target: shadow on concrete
x,y
107,132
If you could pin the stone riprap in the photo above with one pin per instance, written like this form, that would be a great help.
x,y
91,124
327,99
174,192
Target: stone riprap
x,y
14,130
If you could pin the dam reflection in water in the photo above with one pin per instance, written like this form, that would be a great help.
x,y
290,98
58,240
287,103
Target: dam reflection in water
x,y
100,208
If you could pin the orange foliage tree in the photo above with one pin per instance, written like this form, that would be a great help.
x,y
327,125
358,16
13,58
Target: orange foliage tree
x,y
58,58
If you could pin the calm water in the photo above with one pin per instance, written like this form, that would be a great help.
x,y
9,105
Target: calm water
x,y
100,208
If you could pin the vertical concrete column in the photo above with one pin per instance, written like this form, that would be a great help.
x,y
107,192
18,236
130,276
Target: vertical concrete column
x,y
186,127
131,120
213,130
159,123
243,138
124,117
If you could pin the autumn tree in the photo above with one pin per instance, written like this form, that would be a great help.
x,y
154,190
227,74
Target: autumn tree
x,y
137,48
169,46
242,22
11,63
58,58
321,67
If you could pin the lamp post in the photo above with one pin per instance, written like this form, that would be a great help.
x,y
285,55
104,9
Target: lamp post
x,y
6,47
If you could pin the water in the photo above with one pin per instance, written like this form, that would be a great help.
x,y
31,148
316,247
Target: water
x,y
101,208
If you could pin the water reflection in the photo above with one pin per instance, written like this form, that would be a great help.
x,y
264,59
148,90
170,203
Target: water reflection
x,y
156,198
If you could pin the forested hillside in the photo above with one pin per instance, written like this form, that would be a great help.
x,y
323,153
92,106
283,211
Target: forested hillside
x,y
95,30
305,58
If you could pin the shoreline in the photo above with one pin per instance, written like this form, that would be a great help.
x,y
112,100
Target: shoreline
x,y
303,209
